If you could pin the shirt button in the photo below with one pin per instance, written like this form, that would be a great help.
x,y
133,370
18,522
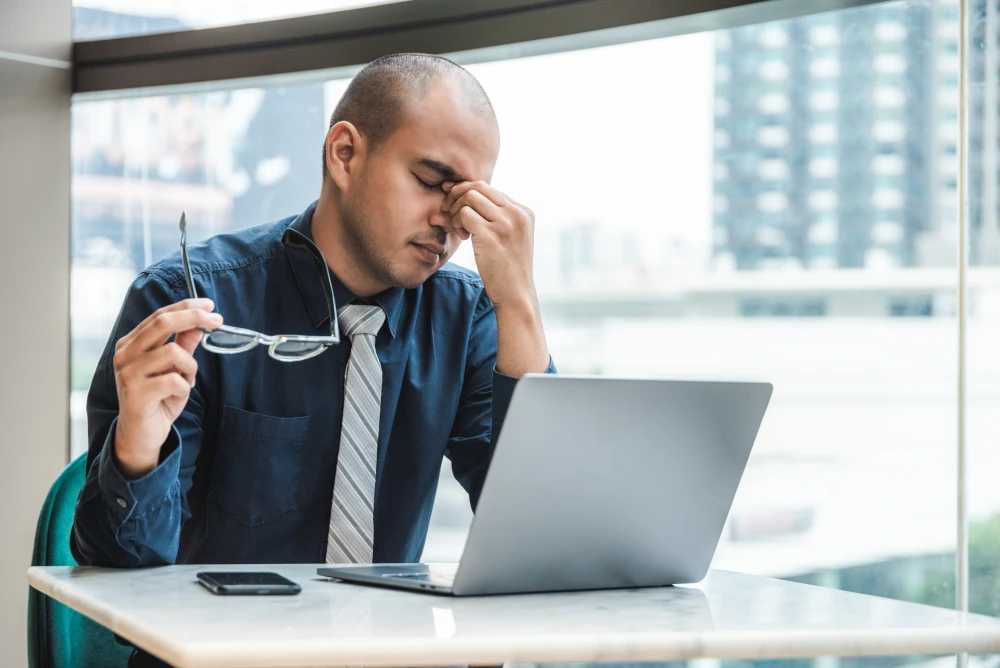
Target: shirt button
x,y
122,502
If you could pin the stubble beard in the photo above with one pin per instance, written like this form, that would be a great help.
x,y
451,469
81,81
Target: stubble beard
x,y
359,226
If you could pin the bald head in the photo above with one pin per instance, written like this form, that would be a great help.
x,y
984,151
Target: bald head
x,y
378,98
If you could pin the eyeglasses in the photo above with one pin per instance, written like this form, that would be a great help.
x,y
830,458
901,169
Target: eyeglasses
x,y
227,340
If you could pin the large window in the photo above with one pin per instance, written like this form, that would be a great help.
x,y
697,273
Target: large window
x,y
772,202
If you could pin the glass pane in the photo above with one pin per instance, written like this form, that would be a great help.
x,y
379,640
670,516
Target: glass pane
x,y
779,224
983,354
104,19
833,238
774,202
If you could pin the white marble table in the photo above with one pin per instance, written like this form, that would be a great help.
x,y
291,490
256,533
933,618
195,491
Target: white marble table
x,y
729,615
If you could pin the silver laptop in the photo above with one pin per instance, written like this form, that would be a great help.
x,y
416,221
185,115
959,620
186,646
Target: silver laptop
x,y
598,483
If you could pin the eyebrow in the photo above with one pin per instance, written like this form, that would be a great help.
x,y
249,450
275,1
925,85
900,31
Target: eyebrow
x,y
446,171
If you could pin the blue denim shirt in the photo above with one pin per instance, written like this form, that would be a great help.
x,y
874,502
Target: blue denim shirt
x,y
247,473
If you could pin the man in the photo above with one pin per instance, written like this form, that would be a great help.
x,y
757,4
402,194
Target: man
x,y
199,457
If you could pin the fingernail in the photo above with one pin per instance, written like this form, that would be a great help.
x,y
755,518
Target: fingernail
x,y
216,318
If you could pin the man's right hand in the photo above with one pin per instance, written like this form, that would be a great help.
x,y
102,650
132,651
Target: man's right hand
x,y
154,379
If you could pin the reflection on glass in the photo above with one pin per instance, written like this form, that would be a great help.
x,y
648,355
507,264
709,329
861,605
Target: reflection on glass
x,y
105,19
774,202
983,354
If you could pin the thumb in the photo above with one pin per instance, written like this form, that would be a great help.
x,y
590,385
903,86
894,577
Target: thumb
x,y
189,340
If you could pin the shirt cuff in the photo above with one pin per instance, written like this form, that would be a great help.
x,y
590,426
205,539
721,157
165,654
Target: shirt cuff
x,y
503,390
132,498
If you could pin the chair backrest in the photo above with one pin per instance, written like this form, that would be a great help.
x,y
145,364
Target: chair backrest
x,y
59,637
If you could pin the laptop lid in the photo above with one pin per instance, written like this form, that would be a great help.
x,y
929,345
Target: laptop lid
x,y
599,483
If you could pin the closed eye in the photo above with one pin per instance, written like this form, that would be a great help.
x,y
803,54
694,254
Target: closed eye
x,y
425,185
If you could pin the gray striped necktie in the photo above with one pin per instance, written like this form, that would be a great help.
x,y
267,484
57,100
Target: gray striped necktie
x,y
352,527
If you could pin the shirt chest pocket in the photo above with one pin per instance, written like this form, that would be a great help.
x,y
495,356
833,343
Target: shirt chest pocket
x,y
258,463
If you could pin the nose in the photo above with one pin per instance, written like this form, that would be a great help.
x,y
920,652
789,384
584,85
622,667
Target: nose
x,y
442,219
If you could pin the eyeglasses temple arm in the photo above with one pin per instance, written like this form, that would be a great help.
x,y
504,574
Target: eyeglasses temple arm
x,y
184,258
296,239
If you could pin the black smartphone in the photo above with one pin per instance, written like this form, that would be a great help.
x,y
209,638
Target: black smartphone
x,y
248,583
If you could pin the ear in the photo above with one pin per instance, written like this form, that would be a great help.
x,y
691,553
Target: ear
x,y
345,154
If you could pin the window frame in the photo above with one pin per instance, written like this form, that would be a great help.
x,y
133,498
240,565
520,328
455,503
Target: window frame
x,y
479,31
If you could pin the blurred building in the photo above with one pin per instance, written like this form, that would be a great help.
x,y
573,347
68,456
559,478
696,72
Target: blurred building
x,y
984,114
835,139
138,162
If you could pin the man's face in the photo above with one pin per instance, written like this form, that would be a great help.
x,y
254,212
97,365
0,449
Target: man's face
x,y
394,214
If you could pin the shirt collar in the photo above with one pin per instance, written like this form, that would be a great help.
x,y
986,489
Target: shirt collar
x,y
304,270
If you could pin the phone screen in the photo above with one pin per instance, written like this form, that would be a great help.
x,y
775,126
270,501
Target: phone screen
x,y
248,582
248,579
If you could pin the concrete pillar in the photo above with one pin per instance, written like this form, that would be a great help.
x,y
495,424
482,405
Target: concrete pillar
x,y
35,43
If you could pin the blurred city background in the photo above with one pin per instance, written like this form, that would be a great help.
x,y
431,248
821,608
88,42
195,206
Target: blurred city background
x,y
773,202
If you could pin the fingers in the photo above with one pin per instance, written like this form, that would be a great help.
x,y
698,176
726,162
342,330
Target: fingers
x,y
478,208
140,400
164,387
471,204
479,203
189,340
159,327
469,221
201,303
170,358
454,192
204,305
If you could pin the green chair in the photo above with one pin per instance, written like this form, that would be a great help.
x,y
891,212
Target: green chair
x,y
59,637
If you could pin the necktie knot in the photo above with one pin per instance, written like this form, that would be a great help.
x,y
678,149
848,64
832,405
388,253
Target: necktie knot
x,y
360,319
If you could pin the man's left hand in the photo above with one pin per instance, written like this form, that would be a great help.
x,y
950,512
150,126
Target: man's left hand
x,y
502,232
503,236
